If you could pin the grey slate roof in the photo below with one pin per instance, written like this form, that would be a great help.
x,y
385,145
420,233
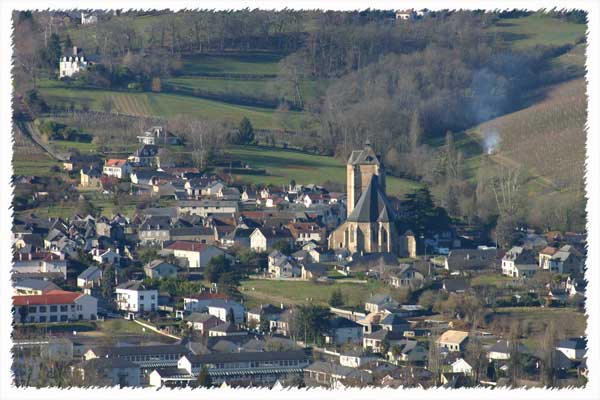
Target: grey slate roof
x,y
248,356
88,272
373,205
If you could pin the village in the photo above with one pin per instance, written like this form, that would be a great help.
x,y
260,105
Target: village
x,y
162,238
176,271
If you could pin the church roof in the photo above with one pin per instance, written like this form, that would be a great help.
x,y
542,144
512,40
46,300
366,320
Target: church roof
x,y
364,156
373,205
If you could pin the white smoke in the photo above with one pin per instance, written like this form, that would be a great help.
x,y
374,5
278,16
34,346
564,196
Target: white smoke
x,y
491,141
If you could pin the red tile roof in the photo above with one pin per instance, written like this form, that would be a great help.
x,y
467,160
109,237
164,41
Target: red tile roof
x,y
549,250
114,162
50,297
187,246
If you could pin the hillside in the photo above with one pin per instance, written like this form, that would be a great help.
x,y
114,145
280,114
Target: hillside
x,y
547,138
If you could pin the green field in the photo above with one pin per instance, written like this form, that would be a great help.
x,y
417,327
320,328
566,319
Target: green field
x,y
539,29
170,105
38,165
253,63
302,292
284,165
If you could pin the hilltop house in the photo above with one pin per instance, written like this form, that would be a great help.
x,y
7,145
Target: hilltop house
x,y
90,177
157,135
146,156
70,65
471,259
133,296
55,306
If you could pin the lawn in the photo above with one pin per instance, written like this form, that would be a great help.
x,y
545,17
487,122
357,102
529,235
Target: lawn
x,y
303,292
114,327
34,165
284,165
492,279
251,63
82,147
539,29
169,105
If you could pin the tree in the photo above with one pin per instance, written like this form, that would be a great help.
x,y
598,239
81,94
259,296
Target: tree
x,y
283,246
475,355
548,359
107,285
309,323
230,317
513,350
385,347
415,132
204,379
68,42
245,132
265,325
336,299
217,266
434,359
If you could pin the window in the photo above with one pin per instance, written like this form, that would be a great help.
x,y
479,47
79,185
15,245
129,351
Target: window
x,y
53,308
64,318
42,318
53,318
42,308
142,297
64,308
32,309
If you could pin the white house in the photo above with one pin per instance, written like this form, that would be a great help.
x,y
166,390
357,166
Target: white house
x,y
133,296
356,359
42,262
158,269
90,277
71,65
107,256
574,348
519,262
55,306
116,167
262,239
342,330
195,255
453,340
223,308
88,18
460,366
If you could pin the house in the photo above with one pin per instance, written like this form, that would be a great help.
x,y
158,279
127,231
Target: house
x,y
519,262
471,259
159,269
194,255
372,341
329,374
408,351
263,239
55,306
566,260
304,232
226,310
133,296
342,330
226,329
457,285
453,340
500,350
280,267
155,229
282,325
313,271
377,302
406,15
460,366
545,255
356,359
116,167
90,177
145,156
200,302
29,286
88,18
157,135
394,322
90,277
266,312
73,64
77,162
202,322
574,348
107,256
146,357
406,276
108,372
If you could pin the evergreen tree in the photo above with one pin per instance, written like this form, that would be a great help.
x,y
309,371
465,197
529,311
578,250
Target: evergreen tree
x,y
204,379
68,42
415,132
246,132
107,285
336,299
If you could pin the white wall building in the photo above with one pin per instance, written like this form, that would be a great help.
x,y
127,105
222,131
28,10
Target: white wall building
x,y
133,296
55,306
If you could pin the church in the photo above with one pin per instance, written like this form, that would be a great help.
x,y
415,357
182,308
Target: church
x,y
371,225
